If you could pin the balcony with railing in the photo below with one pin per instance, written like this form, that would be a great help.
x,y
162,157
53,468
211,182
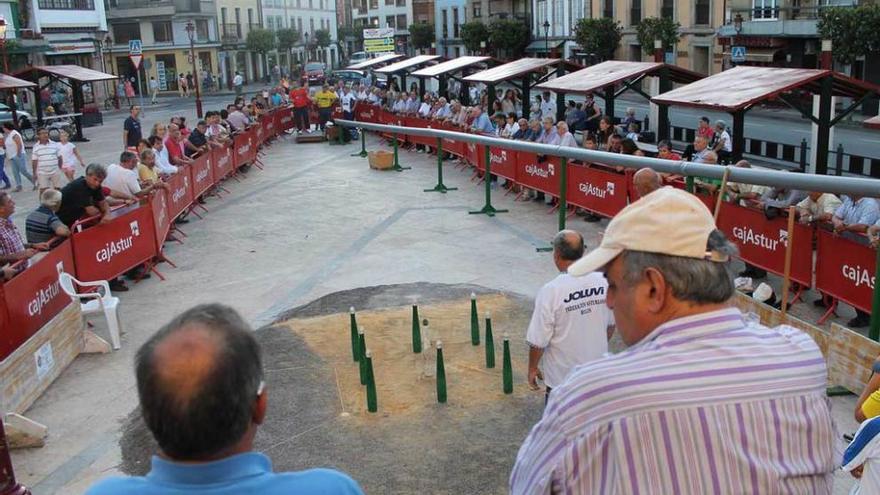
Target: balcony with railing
x,y
781,19
66,4
231,32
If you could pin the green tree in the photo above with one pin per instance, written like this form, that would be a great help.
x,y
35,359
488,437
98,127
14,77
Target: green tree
x,y
322,38
421,35
658,28
472,33
509,35
853,31
287,38
599,36
350,32
261,41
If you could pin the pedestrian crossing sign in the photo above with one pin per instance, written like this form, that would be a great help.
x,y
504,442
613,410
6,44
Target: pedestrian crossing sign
x,y
135,47
738,54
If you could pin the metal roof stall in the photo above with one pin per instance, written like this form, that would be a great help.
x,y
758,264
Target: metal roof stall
x,y
738,90
444,71
524,70
70,75
380,60
613,78
9,84
404,67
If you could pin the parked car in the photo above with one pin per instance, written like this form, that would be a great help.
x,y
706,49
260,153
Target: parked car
x,y
358,57
351,77
313,74
25,121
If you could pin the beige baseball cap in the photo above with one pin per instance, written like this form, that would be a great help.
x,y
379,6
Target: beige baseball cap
x,y
667,221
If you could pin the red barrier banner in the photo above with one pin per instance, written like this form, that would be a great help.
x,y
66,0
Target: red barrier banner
x,y
364,112
161,219
7,343
474,156
201,175
269,126
503,162
222,161
596,189
180,192
34,297
423,124
537,175
241,145
762,242
259,131
285,119
845,269
107,250
457,148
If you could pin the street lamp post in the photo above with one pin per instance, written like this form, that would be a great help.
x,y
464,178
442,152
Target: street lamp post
x,y
191,32
3,27
547,38
109,42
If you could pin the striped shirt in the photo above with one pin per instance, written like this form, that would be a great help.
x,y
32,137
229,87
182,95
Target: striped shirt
x,y
704,404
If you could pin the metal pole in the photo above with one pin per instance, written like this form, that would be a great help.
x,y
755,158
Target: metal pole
x,y
192,53
8,484
786,278
396,166
141,92
363,153
487,209
440,187
113,71
563,186
823,138
874,331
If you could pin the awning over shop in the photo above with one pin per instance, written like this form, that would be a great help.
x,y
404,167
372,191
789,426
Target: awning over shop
x,y
741,87
615,72
382,59
543,46
404,65
449,66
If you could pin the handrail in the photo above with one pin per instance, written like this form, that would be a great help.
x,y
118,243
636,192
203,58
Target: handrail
x,y
789,180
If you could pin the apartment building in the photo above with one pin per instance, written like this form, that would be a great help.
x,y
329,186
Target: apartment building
x,y
486,11
236,18
449,15
306,17
397,14
553,27
73,30
161,27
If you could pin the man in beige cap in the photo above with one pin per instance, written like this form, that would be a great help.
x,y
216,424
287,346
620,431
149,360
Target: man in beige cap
x,y
702,401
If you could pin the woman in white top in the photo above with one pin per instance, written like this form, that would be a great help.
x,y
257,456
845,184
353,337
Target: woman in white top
x,y
69,155
14,145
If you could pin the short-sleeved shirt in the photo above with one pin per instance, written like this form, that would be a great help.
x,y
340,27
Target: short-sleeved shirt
x,y
175,149
122,180
865,450
483,124
10,238
826,204
238,120
243,473
147,174
46,156
299,97
40,225
324,99
68,158
347,100
570,323
75,196
197,138
133,126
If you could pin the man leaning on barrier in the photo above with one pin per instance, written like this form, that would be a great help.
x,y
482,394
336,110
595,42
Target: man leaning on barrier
x,y
703,401
202,395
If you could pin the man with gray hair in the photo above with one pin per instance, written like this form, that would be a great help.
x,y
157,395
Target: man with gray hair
x,y
42,224
722,144
703,401
571,324
646,181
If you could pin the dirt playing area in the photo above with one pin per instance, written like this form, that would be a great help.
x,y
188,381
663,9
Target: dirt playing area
x,y
317,406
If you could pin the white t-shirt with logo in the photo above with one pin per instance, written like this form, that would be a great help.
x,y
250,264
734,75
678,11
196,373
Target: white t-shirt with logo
x,y
347,100
570,323
122,180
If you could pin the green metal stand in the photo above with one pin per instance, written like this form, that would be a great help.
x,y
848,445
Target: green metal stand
x,y
441,375
563,204
362,350
340,140
475,321
507,367
490,344
416,330
396,166
487,209
874,331
363,153
440,187
372,405
689,184
354,335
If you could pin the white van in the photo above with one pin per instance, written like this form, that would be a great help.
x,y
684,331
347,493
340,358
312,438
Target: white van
x,y
358,57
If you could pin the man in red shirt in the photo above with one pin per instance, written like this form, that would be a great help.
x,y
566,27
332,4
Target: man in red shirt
x,y
175,146
299,96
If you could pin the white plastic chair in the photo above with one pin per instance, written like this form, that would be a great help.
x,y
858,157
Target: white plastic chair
x,y
95,302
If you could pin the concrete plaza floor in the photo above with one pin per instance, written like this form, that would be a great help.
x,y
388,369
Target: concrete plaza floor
x,y
314,222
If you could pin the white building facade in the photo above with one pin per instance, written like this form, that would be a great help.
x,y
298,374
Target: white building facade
x,y
306,17
449,16
557,36
397,14
73,29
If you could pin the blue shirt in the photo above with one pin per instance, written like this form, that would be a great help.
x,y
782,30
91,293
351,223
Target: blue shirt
x,y
249,473
483,124
865,211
